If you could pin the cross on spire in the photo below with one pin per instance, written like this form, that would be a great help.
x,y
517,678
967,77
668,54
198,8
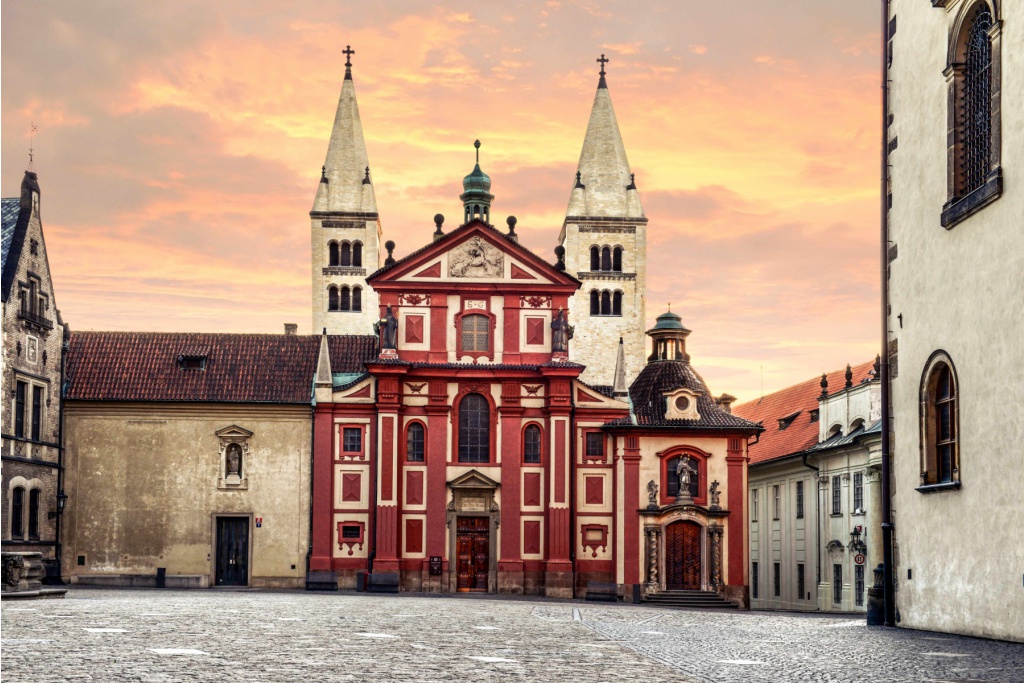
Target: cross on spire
x,y
602,60
348,52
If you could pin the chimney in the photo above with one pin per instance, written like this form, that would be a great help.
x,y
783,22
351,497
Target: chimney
x,y
291,329
726,401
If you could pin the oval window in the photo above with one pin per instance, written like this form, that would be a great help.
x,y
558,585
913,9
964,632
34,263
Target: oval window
x,y
682,403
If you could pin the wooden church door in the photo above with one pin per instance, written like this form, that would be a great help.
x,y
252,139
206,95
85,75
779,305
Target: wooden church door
x,y
472,546
683,556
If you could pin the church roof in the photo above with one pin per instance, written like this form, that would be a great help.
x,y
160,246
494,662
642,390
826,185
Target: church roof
x,y
235,368
345,185
661,377
9,209
604,173
792,405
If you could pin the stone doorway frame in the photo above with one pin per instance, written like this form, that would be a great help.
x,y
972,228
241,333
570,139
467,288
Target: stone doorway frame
x,y
473,496
656,521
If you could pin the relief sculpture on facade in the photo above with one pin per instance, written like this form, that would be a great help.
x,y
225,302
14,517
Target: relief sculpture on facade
x,y
476,258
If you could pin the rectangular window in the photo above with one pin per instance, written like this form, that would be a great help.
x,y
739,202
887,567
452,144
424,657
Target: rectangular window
x,y
837,496
753,580
33,514
801,585
799,500
37,412
531,444
753,505
858,491
352,440
17,512
775,501
858,573
837,584
350,531
476,333
19,409
777,579
595,445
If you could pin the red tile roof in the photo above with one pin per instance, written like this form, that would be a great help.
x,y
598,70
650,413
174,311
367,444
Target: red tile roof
x,y
801,398
239,368
350,352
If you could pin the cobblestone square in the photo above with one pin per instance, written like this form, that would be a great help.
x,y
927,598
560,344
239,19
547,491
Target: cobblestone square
x,y
150,635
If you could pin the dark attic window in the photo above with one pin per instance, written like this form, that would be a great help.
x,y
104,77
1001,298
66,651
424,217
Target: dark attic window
x,y
814,415
192,362
788,420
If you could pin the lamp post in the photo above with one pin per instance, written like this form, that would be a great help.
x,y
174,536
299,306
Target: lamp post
x,y
62,501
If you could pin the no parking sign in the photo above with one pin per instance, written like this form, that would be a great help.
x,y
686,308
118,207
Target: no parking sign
x,y
858,558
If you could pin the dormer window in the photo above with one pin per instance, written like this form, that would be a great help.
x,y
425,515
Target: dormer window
x,y
681,404
192,362
788,420
814,415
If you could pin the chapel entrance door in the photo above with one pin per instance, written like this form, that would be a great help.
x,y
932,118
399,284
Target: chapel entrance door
x,y
473,548
683,556
232,567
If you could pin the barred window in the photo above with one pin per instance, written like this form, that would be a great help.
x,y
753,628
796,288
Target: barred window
x,y
531,444
474,428
414,444
977,103
799,500
595,445
352,440
837,496
476,333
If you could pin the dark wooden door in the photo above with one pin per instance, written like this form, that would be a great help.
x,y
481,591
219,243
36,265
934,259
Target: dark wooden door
x,y
473,548
232,551
683,556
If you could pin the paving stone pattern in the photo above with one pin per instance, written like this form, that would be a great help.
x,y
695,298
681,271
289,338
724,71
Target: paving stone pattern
x,y
153,635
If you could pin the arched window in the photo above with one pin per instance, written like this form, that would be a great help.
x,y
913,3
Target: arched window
x,y
531,444
18,512
357,298
672,476
606,259
332,248
476,333
414,442
617,303
346,299
974,123
346,254
357,254
940,444
595,302
332,298
595,258
606,303
33,513
617,259
474,429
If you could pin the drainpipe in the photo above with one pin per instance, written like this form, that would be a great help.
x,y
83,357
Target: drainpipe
x,y
58,550
312,458
887,525
572,498
817,525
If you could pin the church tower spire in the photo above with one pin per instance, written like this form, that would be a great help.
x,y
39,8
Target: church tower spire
x,y
346,228
605,241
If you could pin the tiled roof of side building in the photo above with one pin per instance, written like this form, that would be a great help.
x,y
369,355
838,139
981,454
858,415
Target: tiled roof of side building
x,y
800,399
660,377
238,368
350,352
9,209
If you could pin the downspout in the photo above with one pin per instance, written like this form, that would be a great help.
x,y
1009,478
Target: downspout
x,y
374,467
817,525
58,551
572,497
312,459
887,526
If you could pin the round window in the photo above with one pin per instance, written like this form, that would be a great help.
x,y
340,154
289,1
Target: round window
x,y
682,403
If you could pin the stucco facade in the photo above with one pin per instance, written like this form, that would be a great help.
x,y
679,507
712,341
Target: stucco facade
x,y
956,295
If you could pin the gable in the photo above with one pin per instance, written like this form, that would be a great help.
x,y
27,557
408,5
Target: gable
x,y
473,253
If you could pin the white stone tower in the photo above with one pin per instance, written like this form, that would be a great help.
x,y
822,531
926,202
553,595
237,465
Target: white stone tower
x,y
605,241
345,226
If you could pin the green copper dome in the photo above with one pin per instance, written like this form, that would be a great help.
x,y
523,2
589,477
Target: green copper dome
x,y
669,321
476,197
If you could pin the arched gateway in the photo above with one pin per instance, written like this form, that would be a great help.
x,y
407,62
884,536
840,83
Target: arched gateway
x,y
684,542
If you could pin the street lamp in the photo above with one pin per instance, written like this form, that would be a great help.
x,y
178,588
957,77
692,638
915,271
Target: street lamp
x,y
62,500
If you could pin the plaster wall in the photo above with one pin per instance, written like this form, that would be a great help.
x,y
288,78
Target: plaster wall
x,y
143,482
959,563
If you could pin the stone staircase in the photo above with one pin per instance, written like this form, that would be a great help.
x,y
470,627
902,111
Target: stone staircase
x,y
688,599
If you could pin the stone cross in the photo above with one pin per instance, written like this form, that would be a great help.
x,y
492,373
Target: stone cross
x,y
348,52
602,61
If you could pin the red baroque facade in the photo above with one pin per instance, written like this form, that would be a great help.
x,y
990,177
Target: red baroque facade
x,y
470,457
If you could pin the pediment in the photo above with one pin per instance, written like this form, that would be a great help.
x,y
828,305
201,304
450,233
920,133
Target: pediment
x,y
473,253
588,395
473,480
233,432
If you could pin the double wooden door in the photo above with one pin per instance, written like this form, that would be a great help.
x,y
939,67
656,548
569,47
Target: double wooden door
x,y
473,551
683,556
232,568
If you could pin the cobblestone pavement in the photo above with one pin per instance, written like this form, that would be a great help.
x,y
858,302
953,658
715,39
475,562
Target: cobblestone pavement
x,y
214,635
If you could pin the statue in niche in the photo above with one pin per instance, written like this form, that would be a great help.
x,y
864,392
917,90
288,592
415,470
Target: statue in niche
x,y
685,471
561,333
652,495
714,494
387,327
234,460
476,258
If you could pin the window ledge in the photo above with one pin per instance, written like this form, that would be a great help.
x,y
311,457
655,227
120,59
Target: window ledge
x,y
939,488
961,208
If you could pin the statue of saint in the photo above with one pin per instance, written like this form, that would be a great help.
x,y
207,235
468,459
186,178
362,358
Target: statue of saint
x,y
388,326
652,494
715,494
561,333
234,460
685,471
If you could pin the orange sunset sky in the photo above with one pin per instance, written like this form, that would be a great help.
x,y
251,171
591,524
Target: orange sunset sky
x,y
179,147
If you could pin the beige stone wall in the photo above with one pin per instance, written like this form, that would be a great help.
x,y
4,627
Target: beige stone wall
x,y
323,275
958,290
146,481
596,339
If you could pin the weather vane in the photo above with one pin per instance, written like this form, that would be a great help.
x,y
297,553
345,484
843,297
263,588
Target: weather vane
x,y
31,143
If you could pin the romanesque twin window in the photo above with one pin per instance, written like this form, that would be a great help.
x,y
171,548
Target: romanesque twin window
x,y
606,259
29,400
345,254
973,77
940,453
605,302
344,298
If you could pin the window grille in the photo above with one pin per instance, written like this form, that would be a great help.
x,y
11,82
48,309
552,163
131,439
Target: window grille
x,y
837,496
595,445
799,500
977,103
474,428
352,440
415,443
858,572
476,333
531,444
